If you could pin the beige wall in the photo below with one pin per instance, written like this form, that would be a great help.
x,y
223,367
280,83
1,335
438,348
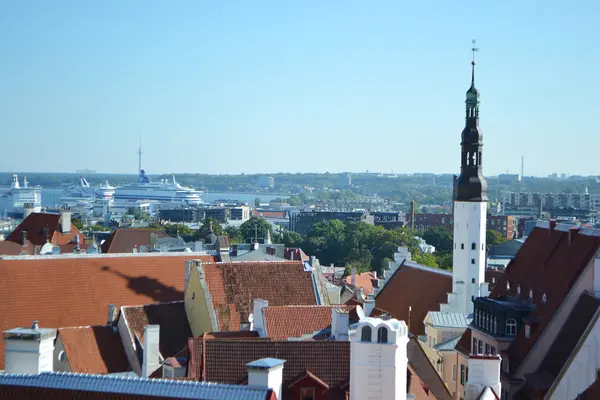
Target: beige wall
x,y
196,307
461,360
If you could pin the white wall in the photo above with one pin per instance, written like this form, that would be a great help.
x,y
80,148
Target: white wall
x,y
581,372
468,264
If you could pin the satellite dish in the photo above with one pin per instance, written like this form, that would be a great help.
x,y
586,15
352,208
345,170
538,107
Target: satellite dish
x,y
251,318
46,249
360,312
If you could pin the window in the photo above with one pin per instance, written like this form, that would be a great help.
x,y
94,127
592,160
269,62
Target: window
x,y
382,335
495,324
473,246
453,372
463,374
472,261
474,346
527,331
480,348
487,348
307,394
492,350
365,335
505,364
462,246
511,327
473,280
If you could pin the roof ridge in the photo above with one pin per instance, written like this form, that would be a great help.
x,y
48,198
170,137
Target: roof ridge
x,y
84,326
154,304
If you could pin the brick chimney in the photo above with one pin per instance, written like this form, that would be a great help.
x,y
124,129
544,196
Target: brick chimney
x,y
23,237
484,375
29,350
151,357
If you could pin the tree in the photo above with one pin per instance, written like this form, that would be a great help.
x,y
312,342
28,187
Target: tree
x,y
235,235
255,227
257,202
178,229
77,223
209,225
426,259
440,237
494,237
292,239
138,214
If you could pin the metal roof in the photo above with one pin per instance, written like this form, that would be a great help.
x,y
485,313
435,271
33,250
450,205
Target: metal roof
x,y
450,320
448,345
266,363
137,386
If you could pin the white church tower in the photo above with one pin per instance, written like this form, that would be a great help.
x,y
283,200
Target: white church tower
x,y
470,214
378,359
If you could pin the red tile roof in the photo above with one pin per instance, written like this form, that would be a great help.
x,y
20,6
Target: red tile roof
x,y
269,214
72,291
298,254
234,286
123,240
548,263
172,319
416,286
421,365
592,392
94,349
40,225
294,321
365,280
9,248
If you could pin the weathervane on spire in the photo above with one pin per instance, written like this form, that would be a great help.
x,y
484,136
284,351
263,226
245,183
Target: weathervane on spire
x,y
474,50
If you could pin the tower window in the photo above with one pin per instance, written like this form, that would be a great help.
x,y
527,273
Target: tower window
x,y
472,261
473,280
382,335
365,335
462,246
473,246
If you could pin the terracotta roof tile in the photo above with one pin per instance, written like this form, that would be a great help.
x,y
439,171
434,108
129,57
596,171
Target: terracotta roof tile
x,y
298,254
365,280
294,321
421,288
174,325
72,291
123,240
592,392
10,248
94,349
549,263
36,225
233,287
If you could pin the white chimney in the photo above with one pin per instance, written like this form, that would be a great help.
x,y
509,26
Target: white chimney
x,y
340,324
29,350
484,374
369,305
113,314
378,345
257,313
151,359
353,281
65,221
266,373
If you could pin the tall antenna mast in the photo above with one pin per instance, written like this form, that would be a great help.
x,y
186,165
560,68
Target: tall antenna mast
x,y
474,50
140,156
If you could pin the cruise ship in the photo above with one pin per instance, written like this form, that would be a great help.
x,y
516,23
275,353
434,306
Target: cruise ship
x,y
83,192
165,191
12,201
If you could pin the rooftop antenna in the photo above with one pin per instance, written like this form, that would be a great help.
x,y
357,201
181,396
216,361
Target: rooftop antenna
x,y
140,156
474,50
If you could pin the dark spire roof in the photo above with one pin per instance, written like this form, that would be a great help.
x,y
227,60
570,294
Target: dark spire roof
x,y
471,185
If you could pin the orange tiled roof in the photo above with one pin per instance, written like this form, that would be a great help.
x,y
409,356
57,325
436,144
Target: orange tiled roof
x,y
294,321
123,240
550,263
366,280
38,225
73,291
234,286
94,349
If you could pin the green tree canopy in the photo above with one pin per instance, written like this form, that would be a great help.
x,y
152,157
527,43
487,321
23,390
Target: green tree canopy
x,y
494,237
440,237
255,227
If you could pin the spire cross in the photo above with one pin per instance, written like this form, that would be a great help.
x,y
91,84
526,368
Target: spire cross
x,y
474,50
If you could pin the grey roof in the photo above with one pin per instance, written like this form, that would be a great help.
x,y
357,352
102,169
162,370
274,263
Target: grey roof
x,y
448,345
266,363
135,386
257,255
450,320
413,264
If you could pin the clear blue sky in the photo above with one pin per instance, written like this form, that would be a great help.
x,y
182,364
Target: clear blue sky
x,y
311,85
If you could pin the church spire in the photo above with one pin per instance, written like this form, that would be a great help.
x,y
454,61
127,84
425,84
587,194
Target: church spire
x,y
471,185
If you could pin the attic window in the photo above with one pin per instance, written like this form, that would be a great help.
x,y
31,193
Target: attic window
x,y
473,246
462,246
544,298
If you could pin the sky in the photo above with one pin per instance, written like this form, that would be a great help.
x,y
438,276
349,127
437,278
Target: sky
x,y
296,86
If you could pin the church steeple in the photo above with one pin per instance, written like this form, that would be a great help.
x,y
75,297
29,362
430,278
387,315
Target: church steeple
x,y
471,185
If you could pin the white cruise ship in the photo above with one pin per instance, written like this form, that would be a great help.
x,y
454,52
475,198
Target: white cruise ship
x,y
165,191
85,193
12,201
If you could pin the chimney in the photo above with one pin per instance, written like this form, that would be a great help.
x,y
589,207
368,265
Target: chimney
x,y
369,305
292,251
484,374
113,314
266,373
151,357
552,224
23,237
65,221
257,313
29,350
353,281
340,324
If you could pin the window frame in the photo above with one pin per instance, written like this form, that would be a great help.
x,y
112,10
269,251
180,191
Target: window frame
x,y
510,327
307,391
363,330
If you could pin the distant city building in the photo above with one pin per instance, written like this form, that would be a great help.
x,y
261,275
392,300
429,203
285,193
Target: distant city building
x,y
303,221
505,224
266,182
389,220
508,179
345,180
562,206
222,214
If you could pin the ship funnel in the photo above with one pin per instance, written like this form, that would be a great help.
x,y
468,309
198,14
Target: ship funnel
x,y
15,182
